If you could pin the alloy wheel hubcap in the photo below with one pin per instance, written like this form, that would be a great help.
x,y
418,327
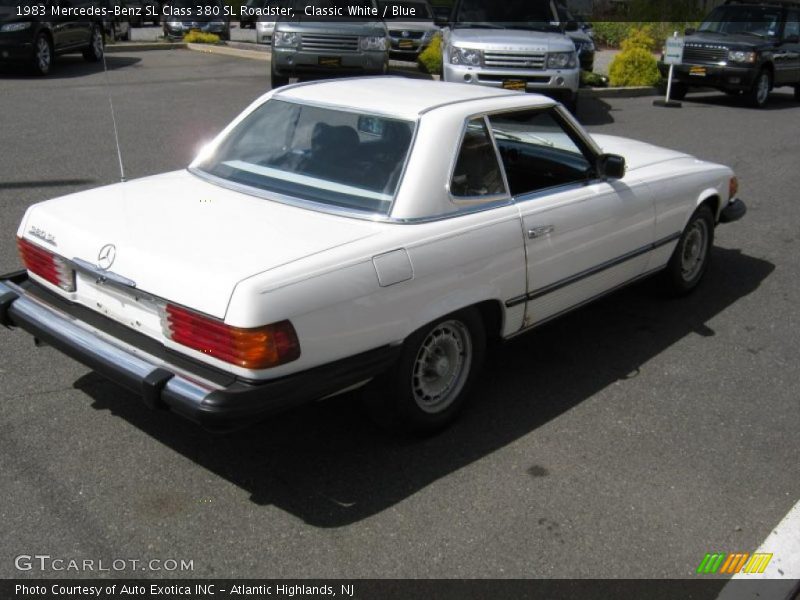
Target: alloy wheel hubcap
x,y
97,42
43,54
695,248
442,366
763,88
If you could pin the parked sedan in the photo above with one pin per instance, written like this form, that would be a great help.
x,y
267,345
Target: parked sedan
x,y
371,232
410,26
183,16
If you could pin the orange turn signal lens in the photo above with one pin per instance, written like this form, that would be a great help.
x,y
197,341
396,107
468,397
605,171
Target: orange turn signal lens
x,y
256,348
733,188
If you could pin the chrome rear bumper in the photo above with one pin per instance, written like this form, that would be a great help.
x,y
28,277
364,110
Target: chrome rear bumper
x,y
164,384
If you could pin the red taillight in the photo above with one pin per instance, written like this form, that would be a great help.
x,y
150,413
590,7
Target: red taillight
x,y
46,265
257,348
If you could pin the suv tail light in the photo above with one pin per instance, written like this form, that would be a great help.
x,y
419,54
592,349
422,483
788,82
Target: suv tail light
x,y
257,348
46,265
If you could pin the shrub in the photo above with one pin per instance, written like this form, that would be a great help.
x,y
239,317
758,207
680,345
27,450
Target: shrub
x,y
430,59
639,38
635,65
199,37
611,33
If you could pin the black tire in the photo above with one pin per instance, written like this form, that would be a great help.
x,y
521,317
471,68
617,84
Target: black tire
x,y
94,51
430,383
277,79
42,61
797,93
678,91
758,95
692,255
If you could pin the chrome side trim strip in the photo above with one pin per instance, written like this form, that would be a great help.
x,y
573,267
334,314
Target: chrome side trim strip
x,y
557,285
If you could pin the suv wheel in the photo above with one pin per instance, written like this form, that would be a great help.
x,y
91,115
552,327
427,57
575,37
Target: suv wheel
x,y
94,52
42,54
277,79
759,94
678,90
797,92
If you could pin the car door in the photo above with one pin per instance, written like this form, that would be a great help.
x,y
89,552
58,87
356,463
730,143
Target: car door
x,y
583,235
790,49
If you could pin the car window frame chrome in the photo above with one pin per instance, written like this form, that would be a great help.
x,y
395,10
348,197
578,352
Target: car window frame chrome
x,y
469,201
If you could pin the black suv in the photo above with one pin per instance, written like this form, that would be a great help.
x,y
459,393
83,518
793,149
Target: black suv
x,y
36,40
743,47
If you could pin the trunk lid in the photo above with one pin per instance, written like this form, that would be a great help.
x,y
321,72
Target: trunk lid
x,y
184,239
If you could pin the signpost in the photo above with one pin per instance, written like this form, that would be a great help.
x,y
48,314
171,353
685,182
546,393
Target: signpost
x,y
673,55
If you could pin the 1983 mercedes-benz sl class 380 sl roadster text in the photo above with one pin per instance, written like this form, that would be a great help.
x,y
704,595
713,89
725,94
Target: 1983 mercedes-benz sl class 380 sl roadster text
x,y
365,231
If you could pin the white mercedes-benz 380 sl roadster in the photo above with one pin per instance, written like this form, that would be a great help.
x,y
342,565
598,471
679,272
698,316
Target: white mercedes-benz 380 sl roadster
x,y
371,231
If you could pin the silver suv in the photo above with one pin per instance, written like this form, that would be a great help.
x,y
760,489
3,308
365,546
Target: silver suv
x,y
514,44
322,38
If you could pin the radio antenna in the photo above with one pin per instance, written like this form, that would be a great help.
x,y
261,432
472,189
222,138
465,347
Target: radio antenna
x,y
113,120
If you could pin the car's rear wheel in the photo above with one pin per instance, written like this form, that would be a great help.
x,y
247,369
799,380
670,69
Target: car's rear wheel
x,y
759,93
431,381
94,51
690,259
42,54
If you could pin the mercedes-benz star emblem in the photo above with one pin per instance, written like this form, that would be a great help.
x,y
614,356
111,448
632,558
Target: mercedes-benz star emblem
x,y
106,257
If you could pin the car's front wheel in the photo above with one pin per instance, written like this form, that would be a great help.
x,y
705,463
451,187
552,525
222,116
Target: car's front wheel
x,y
431,381
759,93
678,90
690,259
42,54
277,79
94,51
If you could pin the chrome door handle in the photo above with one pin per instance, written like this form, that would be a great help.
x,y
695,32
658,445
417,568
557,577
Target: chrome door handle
x,y
540,231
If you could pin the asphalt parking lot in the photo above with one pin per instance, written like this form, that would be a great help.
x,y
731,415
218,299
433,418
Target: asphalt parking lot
x,y
625,440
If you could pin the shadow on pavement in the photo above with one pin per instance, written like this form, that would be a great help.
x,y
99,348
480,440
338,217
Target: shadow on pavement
x,y
780,99
68,66
594,111
329,466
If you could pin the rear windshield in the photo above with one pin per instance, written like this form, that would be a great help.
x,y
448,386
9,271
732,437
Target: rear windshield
x,y
328,156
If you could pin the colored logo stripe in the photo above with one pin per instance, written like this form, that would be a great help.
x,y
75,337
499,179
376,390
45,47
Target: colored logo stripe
x,y
721,562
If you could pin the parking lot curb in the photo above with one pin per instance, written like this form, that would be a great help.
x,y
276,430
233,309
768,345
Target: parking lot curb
x,y
226,51
618,92
142,47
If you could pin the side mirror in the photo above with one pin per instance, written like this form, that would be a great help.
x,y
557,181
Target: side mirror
x,y
571,26
611,166
689,31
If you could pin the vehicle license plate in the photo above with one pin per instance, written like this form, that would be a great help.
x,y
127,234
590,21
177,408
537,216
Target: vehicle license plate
x,y
405,44
697,71
330,61
514,84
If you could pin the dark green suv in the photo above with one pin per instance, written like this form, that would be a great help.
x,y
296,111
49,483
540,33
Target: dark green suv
x,y
743,48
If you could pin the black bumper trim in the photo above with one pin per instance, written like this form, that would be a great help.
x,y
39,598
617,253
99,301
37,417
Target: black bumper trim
x,y
160,385
734,211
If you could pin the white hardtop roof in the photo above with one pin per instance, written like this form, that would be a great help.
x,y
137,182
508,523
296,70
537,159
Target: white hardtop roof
x,y
399,96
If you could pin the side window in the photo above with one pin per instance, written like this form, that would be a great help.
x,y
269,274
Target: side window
x,y
537,151
477,173
792,24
